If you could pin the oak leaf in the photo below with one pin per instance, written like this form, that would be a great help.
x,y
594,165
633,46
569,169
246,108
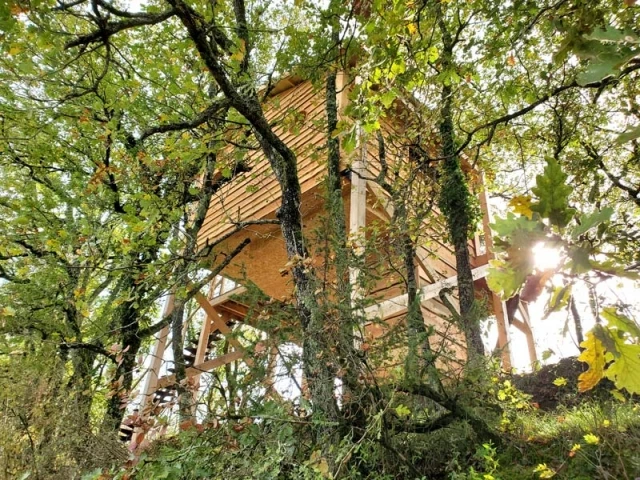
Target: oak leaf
x,y
593,355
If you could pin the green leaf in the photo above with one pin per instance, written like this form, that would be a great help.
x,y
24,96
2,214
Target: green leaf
x,y
433,54
558,299
403,411
621,322
505,280
624,370
505,227
618,395
588,221
612,34
597,71
608,61
628,135
547,354
371,127
553,195
349,142
387,98
580,262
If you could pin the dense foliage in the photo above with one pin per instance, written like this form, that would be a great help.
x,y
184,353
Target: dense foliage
x,y
119,123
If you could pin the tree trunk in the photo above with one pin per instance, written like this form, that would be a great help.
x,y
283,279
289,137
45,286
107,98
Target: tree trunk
x,y
128,322
350,361
420,361
456,203
577,321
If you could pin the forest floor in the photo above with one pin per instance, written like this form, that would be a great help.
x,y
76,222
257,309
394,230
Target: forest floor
x,y
548,430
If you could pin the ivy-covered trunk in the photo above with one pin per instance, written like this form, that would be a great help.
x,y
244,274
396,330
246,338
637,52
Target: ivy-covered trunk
x,y
456,202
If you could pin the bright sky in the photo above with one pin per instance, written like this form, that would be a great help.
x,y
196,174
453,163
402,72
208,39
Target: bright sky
x,y
557,332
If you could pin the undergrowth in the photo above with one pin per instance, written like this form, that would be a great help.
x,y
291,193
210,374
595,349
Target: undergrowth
x,y
594,440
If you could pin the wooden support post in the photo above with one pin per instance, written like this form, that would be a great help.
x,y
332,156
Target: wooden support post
x,y
358,209
201,351
499,307
357,222
156,357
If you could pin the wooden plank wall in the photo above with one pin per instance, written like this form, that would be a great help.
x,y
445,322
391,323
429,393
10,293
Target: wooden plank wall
x,y
299,114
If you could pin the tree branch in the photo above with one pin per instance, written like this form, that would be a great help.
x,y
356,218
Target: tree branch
x,y
532,106
211,111
111,28
91,347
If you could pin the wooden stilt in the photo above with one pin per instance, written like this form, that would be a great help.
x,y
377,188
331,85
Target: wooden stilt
x,y
156,357
358,208
499,308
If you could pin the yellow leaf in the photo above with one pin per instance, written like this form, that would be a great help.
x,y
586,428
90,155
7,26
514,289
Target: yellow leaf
x,y
560,382
591,439
323,468
522,205
412,28
14,50
239,54
593,355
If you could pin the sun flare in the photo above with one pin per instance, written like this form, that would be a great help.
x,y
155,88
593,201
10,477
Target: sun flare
x,y
546,257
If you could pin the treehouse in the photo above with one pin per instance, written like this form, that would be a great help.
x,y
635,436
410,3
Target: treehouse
x,y
246,208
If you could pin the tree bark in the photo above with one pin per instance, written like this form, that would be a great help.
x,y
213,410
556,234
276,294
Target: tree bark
x,y
456,202
350,361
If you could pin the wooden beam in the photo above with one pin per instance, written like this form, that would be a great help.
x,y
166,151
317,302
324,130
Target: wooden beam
x,y
219,321
358,197
399,304
151,381
382,198
224,297
203,367
499,307
342,92
203,341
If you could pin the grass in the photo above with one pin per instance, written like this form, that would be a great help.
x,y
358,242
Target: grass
x,y
592,440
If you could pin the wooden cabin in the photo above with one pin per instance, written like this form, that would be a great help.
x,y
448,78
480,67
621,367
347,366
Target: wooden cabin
x,y
298,110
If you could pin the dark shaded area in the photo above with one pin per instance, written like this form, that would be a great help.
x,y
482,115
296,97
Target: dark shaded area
x,y
548,396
